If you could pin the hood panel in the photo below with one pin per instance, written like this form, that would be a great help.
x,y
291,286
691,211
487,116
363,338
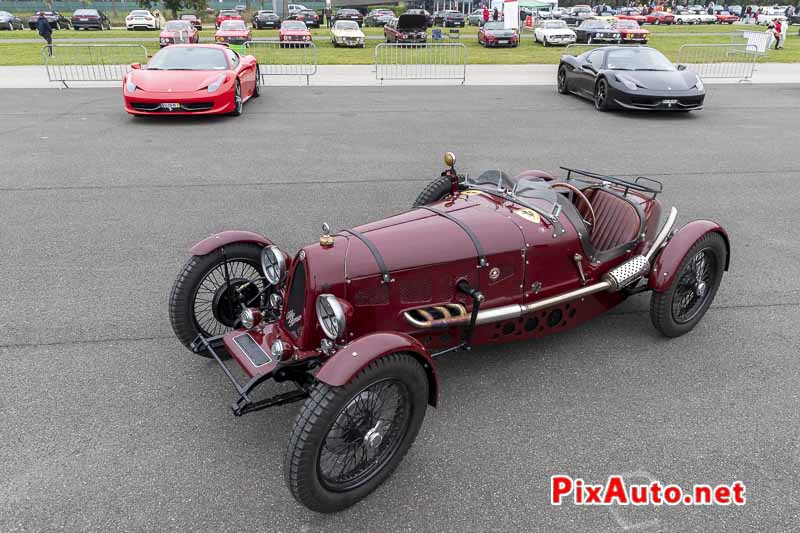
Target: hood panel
x,y
663,81
411,22
177,81
420,238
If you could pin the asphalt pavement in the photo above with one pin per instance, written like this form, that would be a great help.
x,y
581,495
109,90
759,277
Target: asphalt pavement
x,y
108,423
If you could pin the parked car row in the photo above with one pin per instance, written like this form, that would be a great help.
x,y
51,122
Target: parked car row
x,y
591,31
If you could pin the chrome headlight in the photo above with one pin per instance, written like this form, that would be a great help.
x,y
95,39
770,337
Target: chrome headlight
x,y
277,348
216,84
273,264
250,318
330,315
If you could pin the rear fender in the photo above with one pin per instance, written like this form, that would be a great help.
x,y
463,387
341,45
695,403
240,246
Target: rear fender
x,y
669,259
358,354
218,240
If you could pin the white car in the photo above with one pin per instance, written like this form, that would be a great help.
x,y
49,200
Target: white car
x,y
295,8
347,33
771,14
702,16
142,19
553,32
685,17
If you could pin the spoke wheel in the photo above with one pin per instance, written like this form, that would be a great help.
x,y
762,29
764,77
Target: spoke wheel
x,y
364,435
209,293
692,290
679,308
348,440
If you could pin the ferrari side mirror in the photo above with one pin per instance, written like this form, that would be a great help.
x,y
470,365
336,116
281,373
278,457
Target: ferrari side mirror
x,y
681,67
136,66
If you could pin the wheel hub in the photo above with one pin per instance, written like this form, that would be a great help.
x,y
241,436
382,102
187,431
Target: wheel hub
x,y
227,300
700,289
373,437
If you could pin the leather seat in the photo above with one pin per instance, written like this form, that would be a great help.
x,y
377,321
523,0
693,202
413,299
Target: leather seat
x,y
616,220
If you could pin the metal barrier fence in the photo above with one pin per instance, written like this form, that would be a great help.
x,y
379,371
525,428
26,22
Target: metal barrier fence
x,y
440,61
91,62
731,61
283,59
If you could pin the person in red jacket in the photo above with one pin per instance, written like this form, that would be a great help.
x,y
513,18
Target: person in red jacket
x,y
485,14
778,33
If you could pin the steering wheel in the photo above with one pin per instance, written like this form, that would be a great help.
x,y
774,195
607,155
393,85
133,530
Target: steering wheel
x,y
580,195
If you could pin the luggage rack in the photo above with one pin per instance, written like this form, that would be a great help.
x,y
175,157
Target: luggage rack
x,y
635,185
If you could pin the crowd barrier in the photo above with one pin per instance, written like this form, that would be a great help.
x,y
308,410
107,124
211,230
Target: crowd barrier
x,y
276,58
437,61
91,62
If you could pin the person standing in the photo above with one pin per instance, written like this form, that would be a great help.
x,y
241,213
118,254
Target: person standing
x,y
45,31
495,14
485,14
778,33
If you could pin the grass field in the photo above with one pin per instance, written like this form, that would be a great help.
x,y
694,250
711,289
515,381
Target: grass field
x,y
667,39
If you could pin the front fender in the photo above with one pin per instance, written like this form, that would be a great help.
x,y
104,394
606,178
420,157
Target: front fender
x,y
358,354
218,240
669,259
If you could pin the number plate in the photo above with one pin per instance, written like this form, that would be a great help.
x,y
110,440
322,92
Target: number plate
x,y
252,350
503,41
669,102
170,106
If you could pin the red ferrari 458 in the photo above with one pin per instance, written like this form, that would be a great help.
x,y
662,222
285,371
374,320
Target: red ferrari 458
x,y
191,80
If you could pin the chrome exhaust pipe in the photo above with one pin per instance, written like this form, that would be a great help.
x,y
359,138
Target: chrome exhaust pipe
x,y
613,281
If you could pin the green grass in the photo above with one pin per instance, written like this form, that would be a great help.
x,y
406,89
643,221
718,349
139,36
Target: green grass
x,y
526,53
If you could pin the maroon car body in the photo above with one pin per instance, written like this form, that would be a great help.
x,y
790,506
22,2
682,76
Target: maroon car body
x,y
659,17
485,261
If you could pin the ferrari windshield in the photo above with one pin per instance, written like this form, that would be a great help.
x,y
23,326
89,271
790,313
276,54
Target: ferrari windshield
x,y
494,26
637,59
233,25
189,58
177,25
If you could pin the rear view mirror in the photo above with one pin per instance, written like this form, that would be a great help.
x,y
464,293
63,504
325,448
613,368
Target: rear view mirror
x,y
136,66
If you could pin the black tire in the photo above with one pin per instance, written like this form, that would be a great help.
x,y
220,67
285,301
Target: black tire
x,y
668,310
561,80
238,104
601,95
435,191
325,415
183,304
257,90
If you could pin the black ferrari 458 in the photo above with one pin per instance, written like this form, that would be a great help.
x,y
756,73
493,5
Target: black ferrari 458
x,y
626,77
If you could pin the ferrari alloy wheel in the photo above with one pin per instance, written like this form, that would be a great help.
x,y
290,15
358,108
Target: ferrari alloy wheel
x,y
562,80
601,94
213,289
435,191
257,89
238,105
348,440
678,309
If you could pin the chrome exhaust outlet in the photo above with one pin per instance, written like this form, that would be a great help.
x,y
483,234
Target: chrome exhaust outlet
x,y
613,281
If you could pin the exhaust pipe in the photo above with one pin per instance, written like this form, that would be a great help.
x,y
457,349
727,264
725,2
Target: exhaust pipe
x,y
614,280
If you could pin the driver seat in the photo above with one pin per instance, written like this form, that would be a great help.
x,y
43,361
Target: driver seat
x,y
617,221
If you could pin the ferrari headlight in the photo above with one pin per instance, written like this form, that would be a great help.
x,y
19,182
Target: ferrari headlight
x,y
130,85
216,84
627,82
273,263
330,315
699,85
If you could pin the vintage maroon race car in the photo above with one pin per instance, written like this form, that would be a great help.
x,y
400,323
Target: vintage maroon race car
x,y
357,320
